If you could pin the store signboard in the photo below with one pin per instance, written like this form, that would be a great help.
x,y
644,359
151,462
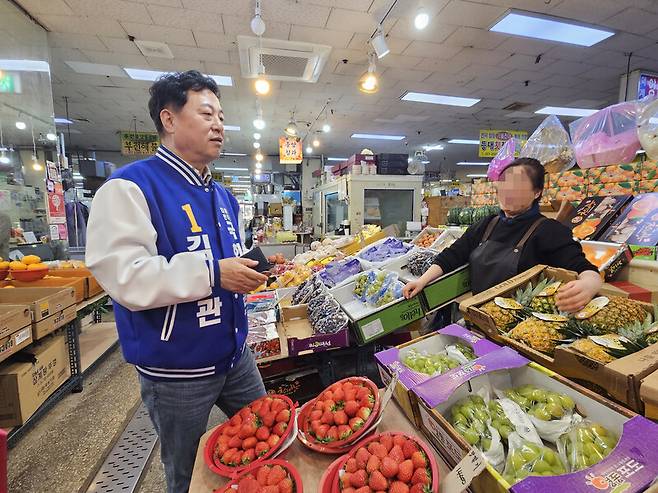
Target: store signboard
x,y
56,209
647,85
139,143
290,150
492,140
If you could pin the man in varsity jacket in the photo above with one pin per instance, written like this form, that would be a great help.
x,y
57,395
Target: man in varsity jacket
x,y
163,242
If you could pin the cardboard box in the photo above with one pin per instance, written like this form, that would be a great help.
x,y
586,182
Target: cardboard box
x,y
299,333
630,290
275,209
92,288
638,224
360,159
594,214
571,194
643,252
615,173
50,324
446,288
78,285
440,206
570,178
609,258
390,362
43,302
649,395
649,170
505,369
647,186
25,386
12,343
14,318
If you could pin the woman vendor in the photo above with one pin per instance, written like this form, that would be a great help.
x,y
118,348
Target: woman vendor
x,y
501,246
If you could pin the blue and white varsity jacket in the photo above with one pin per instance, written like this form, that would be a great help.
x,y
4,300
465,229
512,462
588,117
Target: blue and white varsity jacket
x,y
156,233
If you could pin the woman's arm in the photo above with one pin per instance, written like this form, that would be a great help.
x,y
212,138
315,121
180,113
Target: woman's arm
x,y
575,295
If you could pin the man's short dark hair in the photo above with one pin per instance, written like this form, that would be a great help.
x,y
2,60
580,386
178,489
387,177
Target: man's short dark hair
x,y
170,90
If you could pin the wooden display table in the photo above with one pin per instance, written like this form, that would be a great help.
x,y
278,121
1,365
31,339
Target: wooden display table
x,y
311,465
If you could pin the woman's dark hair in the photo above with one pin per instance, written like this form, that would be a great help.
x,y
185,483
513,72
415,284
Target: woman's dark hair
x,y
534,170
170,90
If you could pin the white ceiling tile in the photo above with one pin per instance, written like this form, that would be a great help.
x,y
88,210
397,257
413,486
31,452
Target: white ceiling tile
x,y
350,20
100,26
360,41
226,6
212,39
485,57
604,73
625,42
337,39
406,74
525,46
424,49
484,82
184,18
360,5
199,54
521,62
399,61
121,59
491,72
287,12
571,52
587,10
38,7
454,66
470,14
73,54
541,6
563,81
158,33
119,45
69,40
565,67
475,38
166,3
633,21
120,10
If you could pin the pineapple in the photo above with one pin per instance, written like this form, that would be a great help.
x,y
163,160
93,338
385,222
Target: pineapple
x,y
592,350
538,334
636,336
506,318
619,312
544,304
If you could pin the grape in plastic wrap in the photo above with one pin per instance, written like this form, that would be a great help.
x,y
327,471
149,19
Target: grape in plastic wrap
x,y
647,127
551,146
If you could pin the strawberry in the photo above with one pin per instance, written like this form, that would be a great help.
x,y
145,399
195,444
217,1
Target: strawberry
x,y
363,393
286,486
363,413
386,441
409,448
350,465
228,457
339,395
235,442
321,434
255,407
248,456
346,480
248,443
366,402
264,409
248,485
420,477
236,420
245,412
315,415
269,489
277,474
356,424
351,408
220,448
364,489
329,405
340,418
268,419
332,434
283,416
359,478
278,405
362,456
419,488
280,428
273,441
328,395
263,433
344,432
348,490
377,449
350,395
347,385
398,487
372,466
396,454
406,471
389,467
327,418
247,430
262,474
262,448
232,430
318,406
315,425
419,460
399,440
377,481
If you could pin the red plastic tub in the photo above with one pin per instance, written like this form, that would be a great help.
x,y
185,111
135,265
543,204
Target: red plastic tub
x,y
232,485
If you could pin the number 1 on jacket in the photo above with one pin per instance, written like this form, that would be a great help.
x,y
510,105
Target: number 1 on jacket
x,y
195,228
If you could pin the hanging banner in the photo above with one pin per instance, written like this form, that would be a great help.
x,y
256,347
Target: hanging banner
x,y
647,86
55,197
492,140
290,150
139,143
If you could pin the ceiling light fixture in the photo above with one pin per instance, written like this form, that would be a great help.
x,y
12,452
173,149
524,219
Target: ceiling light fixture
x,y
232,128
230,169
3,157
21,125
464,141
3,150
257,23
256,136
153,75
233,154
316,142
326,128
476,176
262,85
421,97
256,145
369,82
259,156
24,65
309,150
336,159
435,147
538,26
468,163
378,137
62,121
564,111
378,43
422,19
259,123
259,166
291,128
51,136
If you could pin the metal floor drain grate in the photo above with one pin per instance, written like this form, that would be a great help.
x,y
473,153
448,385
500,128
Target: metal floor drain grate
x,y
126,461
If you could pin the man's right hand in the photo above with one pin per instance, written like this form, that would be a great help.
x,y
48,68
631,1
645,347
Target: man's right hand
x,y
238,276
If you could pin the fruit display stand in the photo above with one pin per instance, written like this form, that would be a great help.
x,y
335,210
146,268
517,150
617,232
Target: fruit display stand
x,y
92,288
15,329
632,462
310,465
78,285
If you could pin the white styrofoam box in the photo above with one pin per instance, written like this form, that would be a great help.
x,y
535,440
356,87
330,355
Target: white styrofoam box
x,y
354,307
399,266
429,229
378,265
447,238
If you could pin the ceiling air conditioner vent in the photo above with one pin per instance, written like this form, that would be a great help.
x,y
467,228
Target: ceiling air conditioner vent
x,y
282,60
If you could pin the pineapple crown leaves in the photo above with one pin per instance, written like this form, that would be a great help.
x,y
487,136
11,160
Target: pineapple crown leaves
x,y
634,337
574,329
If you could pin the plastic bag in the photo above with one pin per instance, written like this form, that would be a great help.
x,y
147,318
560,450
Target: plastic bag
x,y
647,127
461,352
585,445
508,417
607,137
389,248
392,293
503,159
430,364
377,290
525,459
551,146
336,272
361,285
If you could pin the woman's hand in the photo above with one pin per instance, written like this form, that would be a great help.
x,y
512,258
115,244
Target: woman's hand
x,y
412,288
575,295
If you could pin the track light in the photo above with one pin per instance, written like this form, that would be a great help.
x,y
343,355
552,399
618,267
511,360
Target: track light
x,y
256,136
258,166
36,166
291,128
21,125
326,128
309,150
316,142
369,83
259,123
262,85
422,19
378,42
256,145
259,156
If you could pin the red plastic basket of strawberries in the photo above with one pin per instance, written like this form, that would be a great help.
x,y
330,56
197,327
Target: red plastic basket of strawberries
x,y
270,476
340,415
392,462
259,431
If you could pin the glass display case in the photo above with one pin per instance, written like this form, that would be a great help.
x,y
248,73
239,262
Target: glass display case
x,y
335,212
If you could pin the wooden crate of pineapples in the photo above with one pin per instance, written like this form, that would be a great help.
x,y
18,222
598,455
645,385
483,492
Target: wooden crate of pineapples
x,y
609,348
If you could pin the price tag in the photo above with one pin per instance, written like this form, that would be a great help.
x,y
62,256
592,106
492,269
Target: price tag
x,y
372,329
460,478
520,420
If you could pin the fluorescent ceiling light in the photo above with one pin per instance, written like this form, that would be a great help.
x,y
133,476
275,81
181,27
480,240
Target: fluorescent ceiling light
x,y
378,137
421,20
336,159
231,169
423,97
531,25
233,154
467,163
96,69
476,176
151,75
435,147
425,162
63,121
446,181
464,141
24,65
232,128
563,111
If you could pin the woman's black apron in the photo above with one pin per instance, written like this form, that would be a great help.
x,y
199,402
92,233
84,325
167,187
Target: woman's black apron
x,y
493,262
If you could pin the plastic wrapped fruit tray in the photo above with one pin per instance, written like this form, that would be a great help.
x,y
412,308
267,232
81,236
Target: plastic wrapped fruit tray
x,y
262,430
271,475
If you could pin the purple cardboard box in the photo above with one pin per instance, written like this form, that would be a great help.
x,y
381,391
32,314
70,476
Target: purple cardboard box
x,y
389,361
300,334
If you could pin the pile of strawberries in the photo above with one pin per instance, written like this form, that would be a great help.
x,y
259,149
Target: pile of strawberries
x,y
272,477
341,412
389,462
256,431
